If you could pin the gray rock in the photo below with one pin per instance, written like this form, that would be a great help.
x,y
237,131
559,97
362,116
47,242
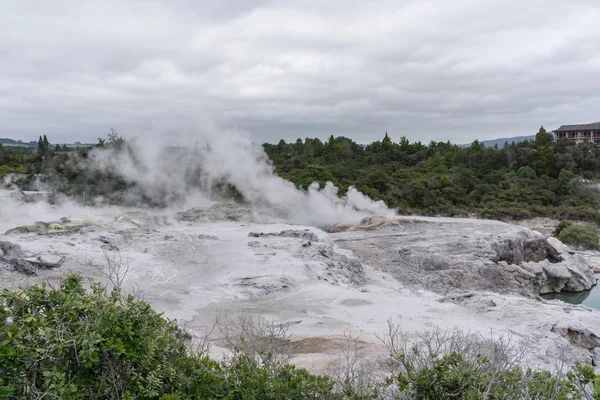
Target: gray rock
x,y
306,235
446,254
10,250
110,247
104,240
555,277
217,212
534,268
338,268
43,228
580,268
30,265
595,357
24,267
45,261
581,337
207,237
37,227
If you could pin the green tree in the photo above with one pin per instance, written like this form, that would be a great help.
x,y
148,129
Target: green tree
x,y
314,173
476,146
40,146
526,173
386,143
404,145
299,147
46,145
543,138
566,181
544,160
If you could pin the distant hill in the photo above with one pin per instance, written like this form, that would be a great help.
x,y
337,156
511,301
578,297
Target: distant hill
x,y
8,142
500,142
13,142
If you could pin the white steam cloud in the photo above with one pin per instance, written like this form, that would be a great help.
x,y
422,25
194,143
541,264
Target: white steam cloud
x,y
187,176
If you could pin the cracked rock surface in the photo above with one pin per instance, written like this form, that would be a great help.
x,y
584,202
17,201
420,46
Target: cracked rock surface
x,y
445,254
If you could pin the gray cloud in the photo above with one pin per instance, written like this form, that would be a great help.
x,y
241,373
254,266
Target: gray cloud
x,y
435,70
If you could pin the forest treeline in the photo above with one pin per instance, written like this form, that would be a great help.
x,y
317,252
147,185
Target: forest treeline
x,y
517,181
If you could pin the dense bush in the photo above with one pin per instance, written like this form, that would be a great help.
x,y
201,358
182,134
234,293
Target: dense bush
x,y
441,365
579,235
560,227
516,181
72,343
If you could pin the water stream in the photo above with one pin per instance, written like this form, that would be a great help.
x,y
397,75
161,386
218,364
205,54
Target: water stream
x,y
590,298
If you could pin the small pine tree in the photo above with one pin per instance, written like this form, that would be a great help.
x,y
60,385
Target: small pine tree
x,y
40,147
46,145
386,143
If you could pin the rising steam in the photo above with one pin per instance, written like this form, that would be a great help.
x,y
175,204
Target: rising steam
x,y
182,176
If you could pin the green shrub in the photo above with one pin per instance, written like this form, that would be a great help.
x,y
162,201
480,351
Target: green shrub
x,y
452,376
5,170
74,344
70,343
559,228
579,235
441,365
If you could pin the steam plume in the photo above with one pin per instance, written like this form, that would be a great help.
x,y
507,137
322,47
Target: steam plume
x,y
182,175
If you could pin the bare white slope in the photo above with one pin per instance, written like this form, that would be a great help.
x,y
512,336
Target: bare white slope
x,y
195,270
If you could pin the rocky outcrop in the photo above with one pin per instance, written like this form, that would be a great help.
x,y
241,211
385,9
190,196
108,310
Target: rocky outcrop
x,y
581,337
581,269
31,265
14,257
445,254
217,212
10,250
43,228
305,234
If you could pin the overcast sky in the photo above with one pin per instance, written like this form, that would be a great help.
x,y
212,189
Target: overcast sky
x,y
430,70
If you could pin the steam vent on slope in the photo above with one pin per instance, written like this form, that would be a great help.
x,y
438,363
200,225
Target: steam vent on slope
x,y
223,259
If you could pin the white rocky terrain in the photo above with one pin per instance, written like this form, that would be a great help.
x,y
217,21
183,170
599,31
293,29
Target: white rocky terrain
x,y
219,259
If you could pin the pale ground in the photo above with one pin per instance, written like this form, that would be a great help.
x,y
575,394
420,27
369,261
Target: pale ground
x,y
195,271
545,226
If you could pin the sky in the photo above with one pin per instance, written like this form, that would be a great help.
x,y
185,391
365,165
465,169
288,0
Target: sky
x,y
429,70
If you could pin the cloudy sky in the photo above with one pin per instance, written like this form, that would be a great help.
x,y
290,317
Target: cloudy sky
x,y
430,70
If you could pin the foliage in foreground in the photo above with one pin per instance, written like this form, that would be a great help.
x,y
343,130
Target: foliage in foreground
x,y
76,344
73,343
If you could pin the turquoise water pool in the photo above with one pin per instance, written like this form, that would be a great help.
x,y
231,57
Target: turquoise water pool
x,y
590,298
